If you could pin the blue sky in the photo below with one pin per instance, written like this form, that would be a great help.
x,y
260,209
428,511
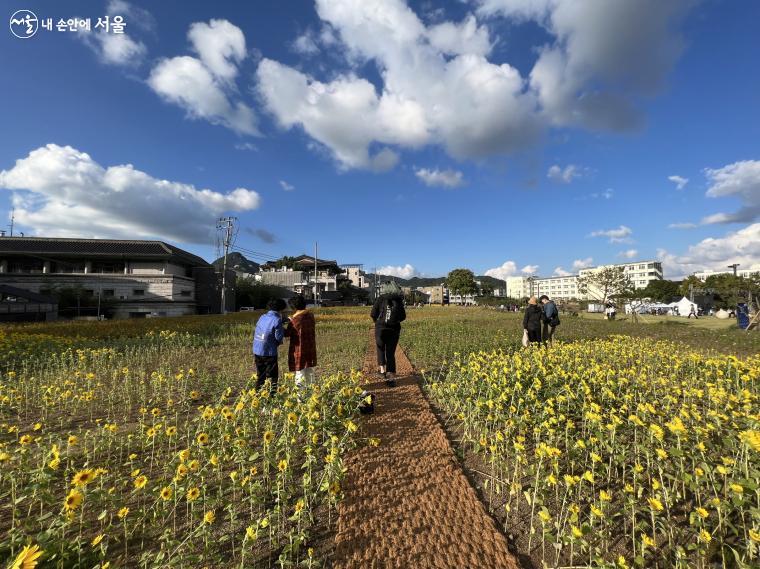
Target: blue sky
x,y
508,136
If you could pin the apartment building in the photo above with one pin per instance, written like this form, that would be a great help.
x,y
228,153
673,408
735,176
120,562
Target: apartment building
x,y
557,288
640,272
436,294
745,273
518,287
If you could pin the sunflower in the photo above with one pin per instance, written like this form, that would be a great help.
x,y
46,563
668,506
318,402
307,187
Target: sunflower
x,y
192,494
26,440
123,513
73,440
268,437
299,506
209,517
283,465
171,431
194,395
73,500
141,481
96,540
292,418
193,465
150,433
83,477
28,557
184,454
166,493
202,439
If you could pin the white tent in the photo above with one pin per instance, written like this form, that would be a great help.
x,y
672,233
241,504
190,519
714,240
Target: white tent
x,y
684,306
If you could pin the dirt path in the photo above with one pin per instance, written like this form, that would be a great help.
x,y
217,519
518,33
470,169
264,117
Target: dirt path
x,y
408,504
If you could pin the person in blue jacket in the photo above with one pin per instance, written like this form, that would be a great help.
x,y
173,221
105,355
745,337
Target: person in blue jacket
x,y
267,337
550,319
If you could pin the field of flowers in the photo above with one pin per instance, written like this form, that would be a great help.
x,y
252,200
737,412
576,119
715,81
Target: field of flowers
x,y
614,452
144,445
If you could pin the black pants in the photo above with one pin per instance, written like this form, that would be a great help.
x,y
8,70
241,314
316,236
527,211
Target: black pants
x,y
548,333
386,340
534,335
266,367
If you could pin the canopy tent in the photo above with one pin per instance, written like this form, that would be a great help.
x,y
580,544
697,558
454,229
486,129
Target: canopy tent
x,y
684,306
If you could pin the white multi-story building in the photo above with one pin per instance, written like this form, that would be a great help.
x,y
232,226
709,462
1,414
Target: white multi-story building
x,y
641,273
557,288
518,287
745,273
356,275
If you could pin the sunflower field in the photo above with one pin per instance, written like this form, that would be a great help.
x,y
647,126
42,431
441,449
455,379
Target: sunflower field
x,y
614,452
159,451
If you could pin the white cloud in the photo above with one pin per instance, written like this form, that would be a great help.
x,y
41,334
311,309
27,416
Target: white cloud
x,y
679,181
620,235
119,49
287,187
529,269
220,45
740,180
560,272
579,264
444,178
306,44
61,191
629,254
405,272
246,146
564,175
460,39
742,246
604,55
437,87
685,225
205,87
507,269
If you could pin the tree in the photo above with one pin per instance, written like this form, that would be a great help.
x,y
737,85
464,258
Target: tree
x,y
728,289
661,290
689,284
606,283
461,282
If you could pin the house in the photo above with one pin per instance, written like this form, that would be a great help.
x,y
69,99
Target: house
x,y
304,275
116,278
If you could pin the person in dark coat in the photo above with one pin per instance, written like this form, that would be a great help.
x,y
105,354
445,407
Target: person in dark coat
x,y
302,351
532,321
551,319
388,313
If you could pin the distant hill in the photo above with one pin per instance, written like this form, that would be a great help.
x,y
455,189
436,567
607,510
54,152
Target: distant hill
x,y
434,281
238,263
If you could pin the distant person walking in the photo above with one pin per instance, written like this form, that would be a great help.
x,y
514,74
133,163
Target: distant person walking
x,y
693,312
267,337
302,351
388,313
532,321
550,319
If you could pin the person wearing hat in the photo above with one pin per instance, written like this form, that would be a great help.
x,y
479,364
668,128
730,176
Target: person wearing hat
x,y
388,313
532,321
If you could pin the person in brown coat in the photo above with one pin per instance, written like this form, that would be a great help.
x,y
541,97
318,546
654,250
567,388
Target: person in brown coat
x,y
302,352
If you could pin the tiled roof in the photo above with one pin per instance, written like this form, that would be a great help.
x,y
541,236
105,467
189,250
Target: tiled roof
x,y
49,246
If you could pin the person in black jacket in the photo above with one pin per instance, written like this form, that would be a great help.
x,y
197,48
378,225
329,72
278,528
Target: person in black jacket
x,y
532,320
388,313
551,319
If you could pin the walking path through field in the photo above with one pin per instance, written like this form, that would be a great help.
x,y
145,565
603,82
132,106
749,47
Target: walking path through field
x,y
408,505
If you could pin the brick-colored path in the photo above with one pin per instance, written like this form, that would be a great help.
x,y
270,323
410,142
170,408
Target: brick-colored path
x,y
407,502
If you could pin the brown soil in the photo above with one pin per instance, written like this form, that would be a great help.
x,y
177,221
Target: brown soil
x,y
407,501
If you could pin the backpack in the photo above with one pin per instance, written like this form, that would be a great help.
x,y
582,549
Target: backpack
x,y
391,314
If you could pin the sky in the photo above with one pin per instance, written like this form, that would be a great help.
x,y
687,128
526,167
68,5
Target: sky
x,y
509,137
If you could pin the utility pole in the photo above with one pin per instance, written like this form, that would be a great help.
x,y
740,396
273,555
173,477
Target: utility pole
x,y
316,278
227,226
734,266
13,218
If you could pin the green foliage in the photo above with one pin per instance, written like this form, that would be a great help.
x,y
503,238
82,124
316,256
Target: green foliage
x,y
461,281
661,290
